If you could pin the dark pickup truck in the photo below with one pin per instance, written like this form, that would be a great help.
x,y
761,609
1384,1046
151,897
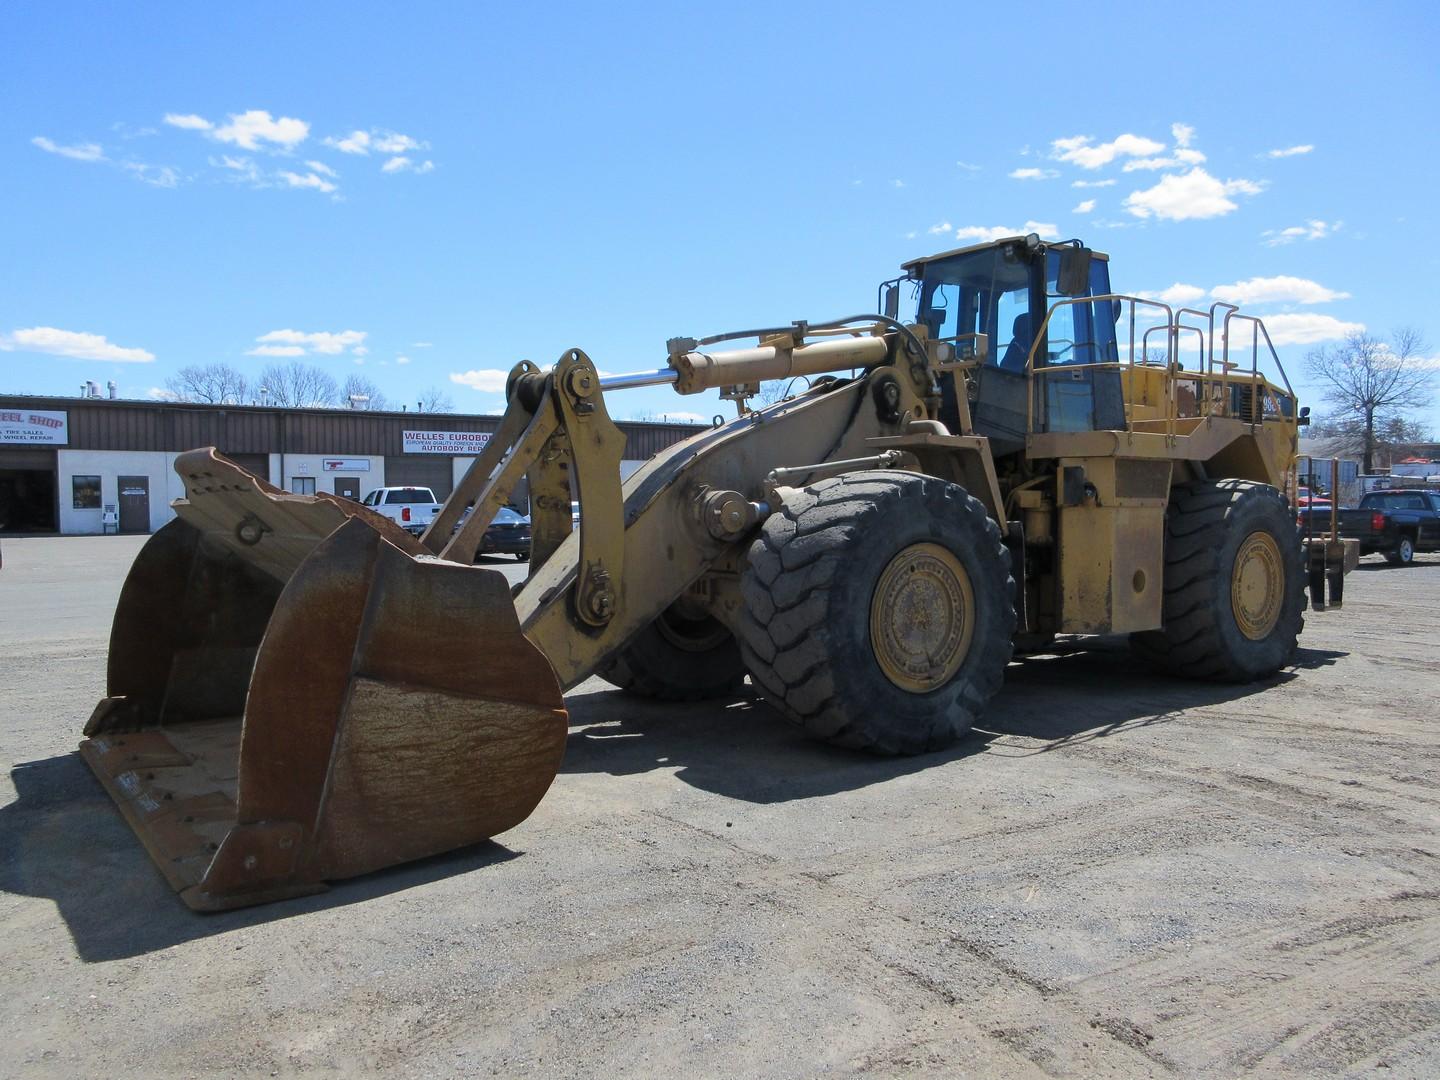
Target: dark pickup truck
x,y
1396,523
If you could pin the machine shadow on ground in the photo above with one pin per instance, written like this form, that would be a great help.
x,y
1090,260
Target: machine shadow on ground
x,y
62,839
743,749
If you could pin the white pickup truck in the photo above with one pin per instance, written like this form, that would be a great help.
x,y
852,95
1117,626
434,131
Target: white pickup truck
x,y
412,508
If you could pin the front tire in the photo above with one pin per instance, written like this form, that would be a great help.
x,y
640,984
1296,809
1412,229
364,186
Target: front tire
x,y
1234,584
684,655
879,611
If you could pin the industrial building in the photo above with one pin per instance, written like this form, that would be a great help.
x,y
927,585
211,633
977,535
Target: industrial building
x,y
94,465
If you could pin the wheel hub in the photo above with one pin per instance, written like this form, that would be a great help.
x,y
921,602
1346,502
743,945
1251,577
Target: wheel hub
x,y
1257,582
688,626
922,617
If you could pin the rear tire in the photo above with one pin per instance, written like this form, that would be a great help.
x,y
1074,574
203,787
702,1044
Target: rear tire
x,y
1234,584
879,611
681,656
1404,553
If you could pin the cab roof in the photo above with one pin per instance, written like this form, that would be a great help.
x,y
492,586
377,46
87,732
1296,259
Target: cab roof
x,y
915,263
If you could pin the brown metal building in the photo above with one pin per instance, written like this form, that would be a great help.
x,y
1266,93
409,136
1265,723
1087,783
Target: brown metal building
x,y
82,465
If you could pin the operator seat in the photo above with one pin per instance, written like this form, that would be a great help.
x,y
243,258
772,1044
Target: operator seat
x,y
1019,347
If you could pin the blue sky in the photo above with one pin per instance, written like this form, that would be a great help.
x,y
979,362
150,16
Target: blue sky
x,y
609,176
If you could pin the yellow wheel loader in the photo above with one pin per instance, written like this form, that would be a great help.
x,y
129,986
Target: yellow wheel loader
x,y
300,691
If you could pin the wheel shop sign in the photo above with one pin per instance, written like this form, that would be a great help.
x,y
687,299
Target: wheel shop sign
x,y
445,442
30,427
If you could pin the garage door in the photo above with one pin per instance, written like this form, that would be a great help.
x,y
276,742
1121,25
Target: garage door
x,y
413,470
27,491
254,464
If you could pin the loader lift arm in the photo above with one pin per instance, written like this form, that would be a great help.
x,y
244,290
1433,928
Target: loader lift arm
x,y
327,696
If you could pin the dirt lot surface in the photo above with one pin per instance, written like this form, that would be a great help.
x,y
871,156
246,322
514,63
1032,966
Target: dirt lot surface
x,y
1123,875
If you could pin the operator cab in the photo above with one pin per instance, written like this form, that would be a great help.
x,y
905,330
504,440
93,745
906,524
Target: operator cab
x,y
1004,290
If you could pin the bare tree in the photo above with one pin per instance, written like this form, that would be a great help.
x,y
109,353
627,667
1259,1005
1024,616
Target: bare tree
x,y
1371,385
357,385
299,386
213,384
434,400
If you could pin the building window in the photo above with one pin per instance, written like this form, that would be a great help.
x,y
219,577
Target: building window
x,y
85,491
302,485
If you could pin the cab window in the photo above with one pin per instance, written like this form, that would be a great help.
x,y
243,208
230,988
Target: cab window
x,y
1082,332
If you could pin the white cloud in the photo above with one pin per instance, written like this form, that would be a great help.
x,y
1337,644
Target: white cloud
x,y
249,130
1182,134
986,233
897,183
74,344
1092,183
1177,294
1033,174
422,344
1192,195
1290,151
405,164
1084,207
1308,328
1083,151
1276,290
299,342
402,359
321,168
682,418
967,166
381,141
1313,229
390,142
154,175
943,227
308,180
188,122
78,152
1178,160
357,142
159,393
486,380
244,168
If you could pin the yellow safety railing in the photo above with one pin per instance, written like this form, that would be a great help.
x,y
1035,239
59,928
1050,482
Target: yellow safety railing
x,y
1214,377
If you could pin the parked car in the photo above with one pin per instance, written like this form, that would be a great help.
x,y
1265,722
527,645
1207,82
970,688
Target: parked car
x,y
507,534
1397,523
412,508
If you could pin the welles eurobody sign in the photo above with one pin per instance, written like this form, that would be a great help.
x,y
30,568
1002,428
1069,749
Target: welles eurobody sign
x,y
445,442
30,427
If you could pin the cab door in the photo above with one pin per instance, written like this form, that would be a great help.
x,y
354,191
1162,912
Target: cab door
x,y
1079,335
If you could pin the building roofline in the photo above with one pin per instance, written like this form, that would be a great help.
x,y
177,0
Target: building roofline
x,y
52,402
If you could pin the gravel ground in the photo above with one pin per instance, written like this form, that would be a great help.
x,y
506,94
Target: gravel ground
x,y
1123,875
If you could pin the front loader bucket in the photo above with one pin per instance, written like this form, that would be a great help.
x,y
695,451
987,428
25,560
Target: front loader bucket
x,y
296,694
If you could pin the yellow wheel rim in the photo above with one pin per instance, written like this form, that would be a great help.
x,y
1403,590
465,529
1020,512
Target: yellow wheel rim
x,y
922,618
1257,585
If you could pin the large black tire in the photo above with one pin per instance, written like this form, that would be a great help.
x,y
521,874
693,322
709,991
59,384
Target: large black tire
x,y
1404,553
681,656
835,559
1228,544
